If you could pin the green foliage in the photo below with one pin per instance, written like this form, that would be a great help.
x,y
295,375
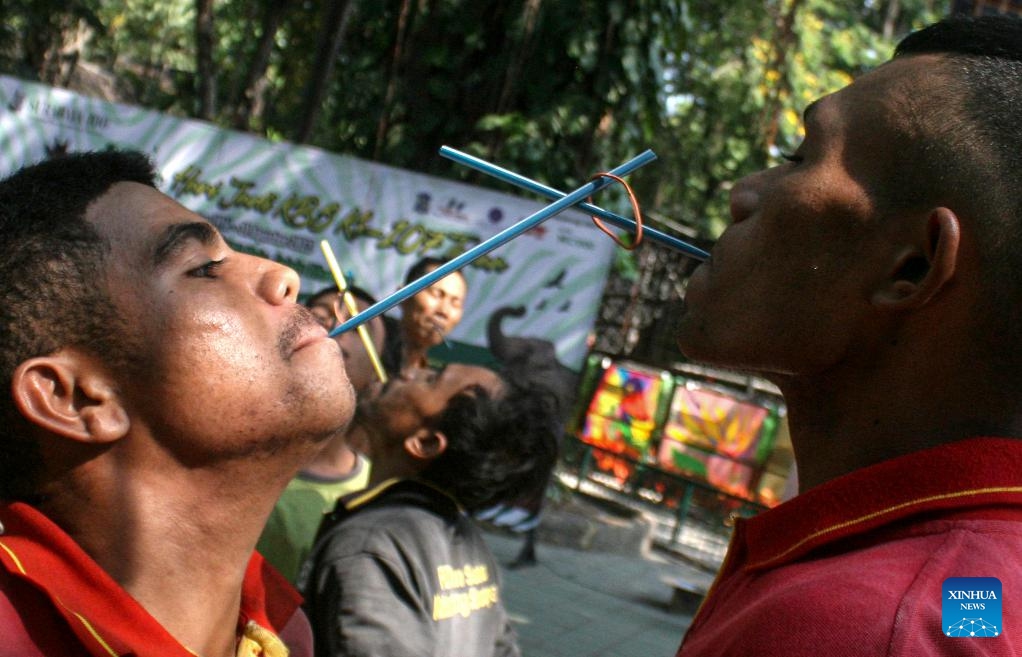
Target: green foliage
x,y
556,90
150,46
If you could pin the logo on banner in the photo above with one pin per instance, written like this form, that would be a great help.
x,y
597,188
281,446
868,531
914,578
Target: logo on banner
x,y
971,607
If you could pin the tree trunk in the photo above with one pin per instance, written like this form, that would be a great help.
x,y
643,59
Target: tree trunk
x,y
383,125
249,104
338,18
891,18
601,81
520,54
530,13
204,72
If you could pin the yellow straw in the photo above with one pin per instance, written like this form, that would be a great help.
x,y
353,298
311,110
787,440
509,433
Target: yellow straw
x,y
349,302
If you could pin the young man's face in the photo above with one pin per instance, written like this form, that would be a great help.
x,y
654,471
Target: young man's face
x,y
434,311
357,362
407,402
324,309
224,362
787,288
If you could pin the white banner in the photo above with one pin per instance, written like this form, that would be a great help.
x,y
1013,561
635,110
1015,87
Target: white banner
x,y
279,200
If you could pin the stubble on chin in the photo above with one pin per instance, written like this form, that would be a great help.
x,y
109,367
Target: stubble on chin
x,y
296,324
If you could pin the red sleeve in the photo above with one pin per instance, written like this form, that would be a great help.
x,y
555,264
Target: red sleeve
x,y
29,625
267,597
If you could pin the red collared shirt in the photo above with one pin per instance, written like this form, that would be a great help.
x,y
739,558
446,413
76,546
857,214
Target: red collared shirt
x,y
55,600
855,567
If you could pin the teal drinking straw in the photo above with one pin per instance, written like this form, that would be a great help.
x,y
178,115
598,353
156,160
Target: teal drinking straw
x,y
481,249
527,183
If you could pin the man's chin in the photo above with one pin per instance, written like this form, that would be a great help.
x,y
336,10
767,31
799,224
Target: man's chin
x,y
696,349
723,360
345,408
686,335
432,334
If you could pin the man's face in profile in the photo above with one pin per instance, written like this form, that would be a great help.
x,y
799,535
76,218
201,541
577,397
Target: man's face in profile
x,y
225,361
787,289
357,362
406,404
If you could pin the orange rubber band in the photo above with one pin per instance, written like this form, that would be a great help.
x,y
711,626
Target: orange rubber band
x,y
635,211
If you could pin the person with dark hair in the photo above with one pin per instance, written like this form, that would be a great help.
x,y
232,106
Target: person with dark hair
x,y
426,317
401,569
341,467
162,389
331,311
876,279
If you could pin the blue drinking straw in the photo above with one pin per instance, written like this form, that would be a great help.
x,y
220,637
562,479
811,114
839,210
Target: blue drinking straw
x,y
501,173
504,236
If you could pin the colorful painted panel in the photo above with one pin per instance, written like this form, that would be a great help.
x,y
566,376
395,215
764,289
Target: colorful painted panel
x,y
720,471
621,417
716,436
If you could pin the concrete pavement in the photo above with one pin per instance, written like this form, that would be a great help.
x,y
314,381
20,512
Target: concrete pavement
x,y
609,598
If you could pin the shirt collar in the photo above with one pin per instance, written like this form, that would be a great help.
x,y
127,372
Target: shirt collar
x,y
360,498
102,614
958,476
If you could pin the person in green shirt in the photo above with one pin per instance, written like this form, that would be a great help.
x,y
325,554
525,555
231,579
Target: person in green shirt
x,y
341,467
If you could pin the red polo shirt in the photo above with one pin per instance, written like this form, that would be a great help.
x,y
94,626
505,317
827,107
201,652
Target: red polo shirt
x,y
55,600
855,567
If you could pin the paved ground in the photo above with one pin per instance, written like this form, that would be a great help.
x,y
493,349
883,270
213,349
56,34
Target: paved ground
x,y
588,603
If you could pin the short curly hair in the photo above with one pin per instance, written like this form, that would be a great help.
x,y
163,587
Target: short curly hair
x,y
51,273
498,448
969,149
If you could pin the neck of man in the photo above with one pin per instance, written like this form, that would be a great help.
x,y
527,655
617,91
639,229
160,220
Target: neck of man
x,y
156,532
413,357
891,403
388,457
335,460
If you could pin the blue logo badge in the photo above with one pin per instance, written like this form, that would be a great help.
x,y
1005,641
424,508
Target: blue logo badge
x,y
971,607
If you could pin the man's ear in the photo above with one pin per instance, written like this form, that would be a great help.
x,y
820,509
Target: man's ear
x,y
426,444
66,394
924,265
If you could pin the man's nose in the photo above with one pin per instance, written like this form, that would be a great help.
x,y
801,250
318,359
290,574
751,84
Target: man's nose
x,y
744,199
276,283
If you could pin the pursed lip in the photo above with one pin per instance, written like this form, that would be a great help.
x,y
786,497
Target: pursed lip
x,y
309,335
305,331
300,331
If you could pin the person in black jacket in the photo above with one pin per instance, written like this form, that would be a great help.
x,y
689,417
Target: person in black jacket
x,y
401,569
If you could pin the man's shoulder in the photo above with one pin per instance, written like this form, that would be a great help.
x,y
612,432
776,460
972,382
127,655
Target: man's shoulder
x,y
379,525
29,625
829,606
392,520
408,498
890,564
865,599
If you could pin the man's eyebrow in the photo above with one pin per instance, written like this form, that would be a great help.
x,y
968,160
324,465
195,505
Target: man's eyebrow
x,y
174,238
